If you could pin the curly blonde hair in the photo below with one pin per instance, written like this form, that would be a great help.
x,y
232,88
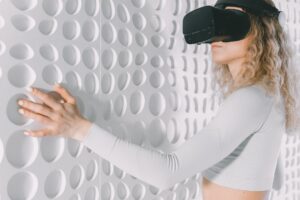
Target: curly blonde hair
x,y
270,63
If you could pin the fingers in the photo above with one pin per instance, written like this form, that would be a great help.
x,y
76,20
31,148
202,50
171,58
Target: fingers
x,y
39,133
65,94
41,118
46,98
37,108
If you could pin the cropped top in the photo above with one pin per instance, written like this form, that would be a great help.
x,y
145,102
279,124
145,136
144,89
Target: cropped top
x,y
238,148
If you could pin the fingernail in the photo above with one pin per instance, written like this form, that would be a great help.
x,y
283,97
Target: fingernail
x,y
26,133
29,89
20,102
21,111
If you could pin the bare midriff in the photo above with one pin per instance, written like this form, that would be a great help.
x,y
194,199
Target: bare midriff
x,y
213,191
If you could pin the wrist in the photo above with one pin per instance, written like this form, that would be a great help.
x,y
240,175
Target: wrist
x,y
84,127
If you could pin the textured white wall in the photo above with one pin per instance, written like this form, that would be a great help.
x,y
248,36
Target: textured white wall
x,y
131,71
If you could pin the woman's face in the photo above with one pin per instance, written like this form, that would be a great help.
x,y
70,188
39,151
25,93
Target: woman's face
x,y
230,51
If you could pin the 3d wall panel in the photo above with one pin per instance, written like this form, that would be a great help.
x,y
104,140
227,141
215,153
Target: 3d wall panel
x,y
128,66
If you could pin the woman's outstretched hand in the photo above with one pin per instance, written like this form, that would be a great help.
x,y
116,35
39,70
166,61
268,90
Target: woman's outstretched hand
x,y
60,115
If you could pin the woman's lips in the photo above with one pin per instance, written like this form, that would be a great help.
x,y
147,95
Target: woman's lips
x,y
215,45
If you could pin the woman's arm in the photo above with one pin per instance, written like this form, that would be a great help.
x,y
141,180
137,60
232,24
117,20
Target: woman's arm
x,y
239,116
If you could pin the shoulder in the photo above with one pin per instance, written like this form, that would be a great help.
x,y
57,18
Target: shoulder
x,y
251,98
253,93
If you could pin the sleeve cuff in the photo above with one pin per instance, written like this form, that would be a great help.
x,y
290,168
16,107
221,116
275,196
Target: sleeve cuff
x,y
99,140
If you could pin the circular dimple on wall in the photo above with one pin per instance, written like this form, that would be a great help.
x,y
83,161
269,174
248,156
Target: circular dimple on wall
x,y
52,148
139,77
138,191
174,100
125,37
107,111
107,83
137,102
109,33
156,23
22,22
90,113
71,29
157,79
21,51
92,193
52,74
91,83
24,70
171,77
73,6
141,58
48,26
141,39
49,52
108,9
137,134
119,173
21,150
24,5
138,3
91,170
157,61
123,13
157,104
76,176
172,131
90,58
107,191
156,132
74,147
109,58
125,58
55,184
107,167
22,185
157,41
120,105
71,54
139,21
123,190
123,80
91,7
52,7
12,110
73,79
90,30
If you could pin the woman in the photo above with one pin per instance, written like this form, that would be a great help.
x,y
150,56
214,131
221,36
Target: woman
x,y
237,150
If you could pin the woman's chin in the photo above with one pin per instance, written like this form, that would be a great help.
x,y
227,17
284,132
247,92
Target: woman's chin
x,y
219,61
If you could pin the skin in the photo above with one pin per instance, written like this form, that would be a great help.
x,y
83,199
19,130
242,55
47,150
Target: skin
x,y
58,112
61,117
233,54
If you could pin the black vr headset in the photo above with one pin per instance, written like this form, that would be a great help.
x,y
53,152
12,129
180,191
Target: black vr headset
x,y
209,24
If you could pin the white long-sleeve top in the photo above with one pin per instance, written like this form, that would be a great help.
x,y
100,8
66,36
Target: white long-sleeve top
x,y
238,148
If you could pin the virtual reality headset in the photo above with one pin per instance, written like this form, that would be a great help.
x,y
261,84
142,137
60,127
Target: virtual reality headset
x,y
209,24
